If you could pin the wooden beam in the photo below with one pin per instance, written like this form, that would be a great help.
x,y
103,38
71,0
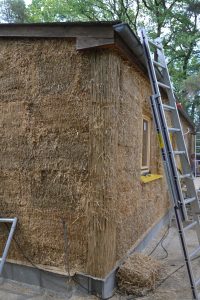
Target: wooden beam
x,y
58,30
88,42
128,53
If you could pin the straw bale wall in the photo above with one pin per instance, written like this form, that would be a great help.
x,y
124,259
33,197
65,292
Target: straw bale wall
x,y
44,128
58,153
140,204
70,154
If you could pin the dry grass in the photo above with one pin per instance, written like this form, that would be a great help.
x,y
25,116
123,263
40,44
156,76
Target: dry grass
x,y
138,274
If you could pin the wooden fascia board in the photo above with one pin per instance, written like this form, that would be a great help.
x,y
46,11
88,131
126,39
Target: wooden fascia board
x,y
61,30
127,52
90,42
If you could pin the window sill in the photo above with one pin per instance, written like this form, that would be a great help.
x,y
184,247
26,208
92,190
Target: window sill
x,y
150,177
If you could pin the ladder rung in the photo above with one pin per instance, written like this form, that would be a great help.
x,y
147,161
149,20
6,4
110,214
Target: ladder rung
x,y
168,107
159,64
155,45
192,254
197,282
189,200
164,85
179,152
166,128
184,176
190,225
6,220
173,129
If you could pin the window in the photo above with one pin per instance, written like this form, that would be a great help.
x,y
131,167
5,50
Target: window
x,y
145,144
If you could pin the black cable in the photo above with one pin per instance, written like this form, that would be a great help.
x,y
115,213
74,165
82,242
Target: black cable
x,y
66,246
161,242
89,292
21,250
166,256
74,276
174,272
66,260
76,281
168,276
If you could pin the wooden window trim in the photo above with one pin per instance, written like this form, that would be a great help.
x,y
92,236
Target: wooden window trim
x,y
147,167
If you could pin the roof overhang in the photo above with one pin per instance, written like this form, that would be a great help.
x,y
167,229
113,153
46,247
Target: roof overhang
x,y
87,35
184,114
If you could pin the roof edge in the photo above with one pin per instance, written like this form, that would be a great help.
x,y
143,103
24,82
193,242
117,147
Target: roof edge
x,y
184,114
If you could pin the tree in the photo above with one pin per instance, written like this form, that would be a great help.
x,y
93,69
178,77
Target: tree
x,y
175,21
13,11
49,11
177,25
88,10
191,96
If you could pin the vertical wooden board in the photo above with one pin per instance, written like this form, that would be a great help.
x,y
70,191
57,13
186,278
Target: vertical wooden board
x,y
102,165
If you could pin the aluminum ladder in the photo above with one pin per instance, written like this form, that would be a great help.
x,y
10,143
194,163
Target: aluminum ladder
x,y
13,222
197,153
167,122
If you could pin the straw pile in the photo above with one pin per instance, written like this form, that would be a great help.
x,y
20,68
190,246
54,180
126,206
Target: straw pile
x,y
138,275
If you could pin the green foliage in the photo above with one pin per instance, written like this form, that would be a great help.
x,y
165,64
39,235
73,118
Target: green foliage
x,y
13,11
49,11
191,96
78,10
175,21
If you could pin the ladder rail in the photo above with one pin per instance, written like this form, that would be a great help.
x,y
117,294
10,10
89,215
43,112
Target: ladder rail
x,y
168,155
195,156
175,114
178,198
176,208
184,159
196,152
172,99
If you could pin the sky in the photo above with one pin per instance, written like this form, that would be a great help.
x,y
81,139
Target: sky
x,y
27,1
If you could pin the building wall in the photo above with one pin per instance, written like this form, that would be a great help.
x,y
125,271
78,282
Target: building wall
x,y
71,144
141,204
44,128
134,207
126,208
